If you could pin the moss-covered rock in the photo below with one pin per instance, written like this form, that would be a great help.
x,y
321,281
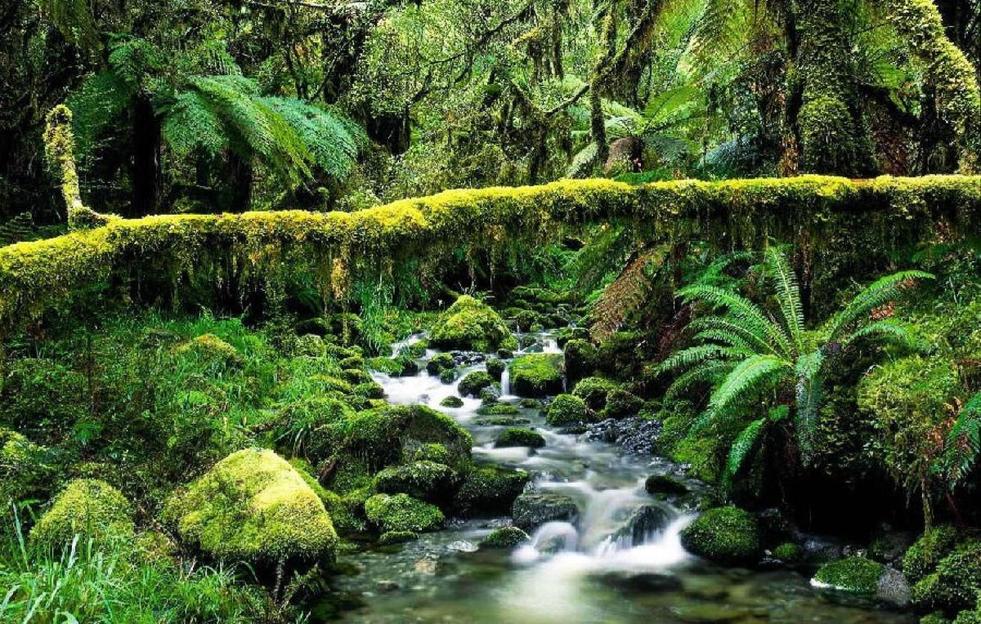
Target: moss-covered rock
x,y
505,537
87,507
855,575
498,409
924,555
788,552
439,363
515,436
489,491
537,375
665,484
955,584
253,506
495,368
452,402
473,383
27,470
724,534
594,391
423,479
580,359
397,537
566,410
398,366
620,403
471,325
402,513
304,427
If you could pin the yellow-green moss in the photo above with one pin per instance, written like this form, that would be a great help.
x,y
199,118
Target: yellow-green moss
x,y
266,249
724,534
253,506
537,374
87,507
856,575
472,325
402,513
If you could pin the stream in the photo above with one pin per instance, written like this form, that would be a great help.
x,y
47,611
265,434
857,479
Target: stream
x,y
603,568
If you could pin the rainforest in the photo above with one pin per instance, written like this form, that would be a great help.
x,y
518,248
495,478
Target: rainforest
x,y
490,311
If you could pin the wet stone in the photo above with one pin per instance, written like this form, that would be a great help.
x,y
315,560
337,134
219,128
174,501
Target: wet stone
x,y
533,509
634,435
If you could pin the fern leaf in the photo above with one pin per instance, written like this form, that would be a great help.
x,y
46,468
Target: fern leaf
x,y
745,312
886,328
788,295
18,228
626,294
747,377
964,441
742,449
710,371
686,358
809,393
881,291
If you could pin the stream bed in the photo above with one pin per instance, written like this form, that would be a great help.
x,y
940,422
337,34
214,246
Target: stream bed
x,y
602,567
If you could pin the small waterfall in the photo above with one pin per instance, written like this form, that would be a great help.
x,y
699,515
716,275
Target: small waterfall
x,y
550,345
506,382
548,539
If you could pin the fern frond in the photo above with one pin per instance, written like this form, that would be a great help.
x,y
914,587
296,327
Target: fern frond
x,y
627,294
887,328
18,228
97,106
744,311
881,291
809,391
709,371
748,376
333,140
788,294
730,339
686,358
964,441
191,124
726,325
742,449
720,27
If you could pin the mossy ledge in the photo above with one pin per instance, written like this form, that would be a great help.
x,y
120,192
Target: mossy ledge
x,y
265,249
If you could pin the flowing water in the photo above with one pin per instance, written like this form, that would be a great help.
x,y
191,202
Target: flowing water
x,y
599,569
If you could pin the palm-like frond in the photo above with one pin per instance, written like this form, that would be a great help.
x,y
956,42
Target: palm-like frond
x,y
97,106
191,124
788,295
749,376
881,291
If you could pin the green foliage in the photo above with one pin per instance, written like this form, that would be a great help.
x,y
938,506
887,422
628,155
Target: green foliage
x,y
924,555
856,575
88,508
253,506
955,584
724,534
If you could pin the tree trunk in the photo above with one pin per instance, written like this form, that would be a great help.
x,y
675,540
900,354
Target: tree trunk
x,y
146,159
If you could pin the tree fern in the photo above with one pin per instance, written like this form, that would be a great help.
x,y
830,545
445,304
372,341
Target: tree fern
x,y
627,293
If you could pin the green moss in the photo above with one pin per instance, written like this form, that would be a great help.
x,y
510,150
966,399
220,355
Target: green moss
x,y
253,506
565,410
87,507
471,325
27,470
489,491
473,383
452,402
955,584
788,552
440,362
423,479
398,366
505,537
432,452
594,391
515,436
924,555
856,575
724,534
401,513
620,403
580,358
397,537
498,409
495,368
537,375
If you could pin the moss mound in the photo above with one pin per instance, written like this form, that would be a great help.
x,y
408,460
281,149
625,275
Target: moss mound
x,y
473,383
439,363
426,480
471,325
955,584
724,534
489,490
594,391
402,513
27,470
537,375
87,507
515,436
452,402
566,410
855,575
253,506
924,555
505,537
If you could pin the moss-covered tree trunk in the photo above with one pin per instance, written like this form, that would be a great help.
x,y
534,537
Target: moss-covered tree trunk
x,y
831,134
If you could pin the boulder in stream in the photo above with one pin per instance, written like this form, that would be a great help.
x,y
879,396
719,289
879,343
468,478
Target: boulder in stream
x,y
505,537
727,535
537,374
533,509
